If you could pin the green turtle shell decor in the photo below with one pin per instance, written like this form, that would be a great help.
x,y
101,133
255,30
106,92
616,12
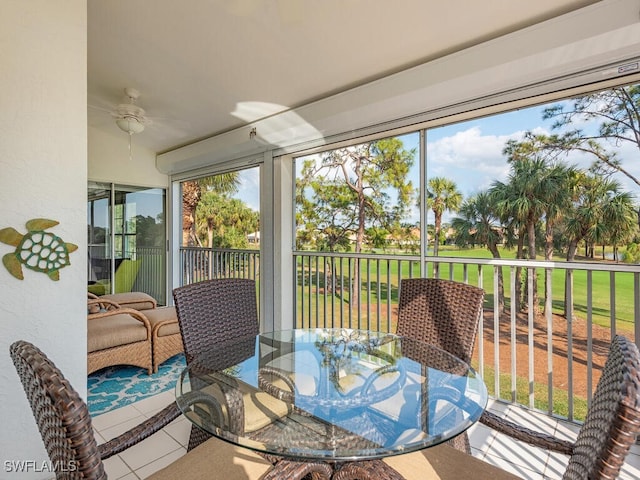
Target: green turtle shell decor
x,y
37,250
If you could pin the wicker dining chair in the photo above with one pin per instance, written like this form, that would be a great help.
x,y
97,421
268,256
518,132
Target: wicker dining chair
x,y
443,313
218,311
65,426
440,312
610,428
215,311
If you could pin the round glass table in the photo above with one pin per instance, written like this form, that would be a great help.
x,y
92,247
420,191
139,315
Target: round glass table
x,y
330,395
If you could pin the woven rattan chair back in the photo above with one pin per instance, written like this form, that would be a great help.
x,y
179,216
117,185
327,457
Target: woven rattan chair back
x,y
440,312
215,311
443,313
62,416
613,417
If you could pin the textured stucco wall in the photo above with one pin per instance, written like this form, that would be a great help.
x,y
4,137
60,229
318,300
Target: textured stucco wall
x,y
43,173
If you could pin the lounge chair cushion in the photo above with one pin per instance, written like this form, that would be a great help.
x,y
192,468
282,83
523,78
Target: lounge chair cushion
x,y
135,300
162,315
114,331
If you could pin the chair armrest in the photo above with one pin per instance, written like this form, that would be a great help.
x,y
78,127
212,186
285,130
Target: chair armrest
x,y
276,392
135,300
233,397
99,305
537,439
140,432
161,317
139,316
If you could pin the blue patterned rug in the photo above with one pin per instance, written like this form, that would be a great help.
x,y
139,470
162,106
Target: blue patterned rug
x,y
115,387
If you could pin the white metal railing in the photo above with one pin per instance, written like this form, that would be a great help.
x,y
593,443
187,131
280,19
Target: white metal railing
x,y
548,360
198,263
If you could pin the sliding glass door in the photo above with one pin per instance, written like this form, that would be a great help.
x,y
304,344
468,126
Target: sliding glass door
x,y
126,240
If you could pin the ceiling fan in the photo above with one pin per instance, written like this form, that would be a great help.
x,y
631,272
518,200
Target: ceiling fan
x,y
130,117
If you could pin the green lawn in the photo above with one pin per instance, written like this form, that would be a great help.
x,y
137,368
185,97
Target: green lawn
x,y
560,405
601,287
323,291
377,275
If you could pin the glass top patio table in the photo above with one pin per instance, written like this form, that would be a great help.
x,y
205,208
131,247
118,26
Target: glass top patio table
x,y
332,395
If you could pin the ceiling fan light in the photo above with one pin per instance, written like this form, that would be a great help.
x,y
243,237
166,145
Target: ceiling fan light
x,y
130,125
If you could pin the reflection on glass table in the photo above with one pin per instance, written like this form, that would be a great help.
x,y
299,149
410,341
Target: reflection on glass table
x,y
331,395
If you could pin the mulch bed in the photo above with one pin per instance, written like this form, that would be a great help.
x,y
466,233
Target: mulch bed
x,y
601,339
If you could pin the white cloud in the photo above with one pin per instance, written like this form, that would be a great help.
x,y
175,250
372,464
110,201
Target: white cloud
x,y
469,158
474,160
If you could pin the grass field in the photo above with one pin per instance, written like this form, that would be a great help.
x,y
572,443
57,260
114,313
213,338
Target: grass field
x,y
324,300
379,281
560,398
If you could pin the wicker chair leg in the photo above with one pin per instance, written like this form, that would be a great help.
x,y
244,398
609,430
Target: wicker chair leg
x,y
461,442
366,470
292,470
197,437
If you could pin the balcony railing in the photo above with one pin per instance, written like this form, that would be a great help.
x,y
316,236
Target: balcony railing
x,y
546,356
198,264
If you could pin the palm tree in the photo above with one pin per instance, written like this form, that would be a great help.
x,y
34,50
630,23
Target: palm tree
x,y
503,197
224,183
537,188
225,222
622,221
600,211
209,217
562,183
442,195
477,223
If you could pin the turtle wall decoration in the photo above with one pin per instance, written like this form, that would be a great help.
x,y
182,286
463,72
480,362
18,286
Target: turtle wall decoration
x,y
37,250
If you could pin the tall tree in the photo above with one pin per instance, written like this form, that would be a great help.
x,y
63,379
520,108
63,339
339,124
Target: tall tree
x,y
615,112
356,183
224,183
477,223
442,196
522,200
325,215
600,208
535,191
554,183
503,197
225,222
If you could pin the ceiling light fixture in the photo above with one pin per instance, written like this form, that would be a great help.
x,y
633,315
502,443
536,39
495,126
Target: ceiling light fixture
x,y
130,124
130,117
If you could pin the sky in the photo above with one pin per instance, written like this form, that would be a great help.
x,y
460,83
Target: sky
x,y
470,154
249,190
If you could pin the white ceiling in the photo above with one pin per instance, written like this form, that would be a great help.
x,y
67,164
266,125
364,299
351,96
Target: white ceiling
x,y
196,61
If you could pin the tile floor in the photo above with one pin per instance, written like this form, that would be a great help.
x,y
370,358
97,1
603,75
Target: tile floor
x,y
166,446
